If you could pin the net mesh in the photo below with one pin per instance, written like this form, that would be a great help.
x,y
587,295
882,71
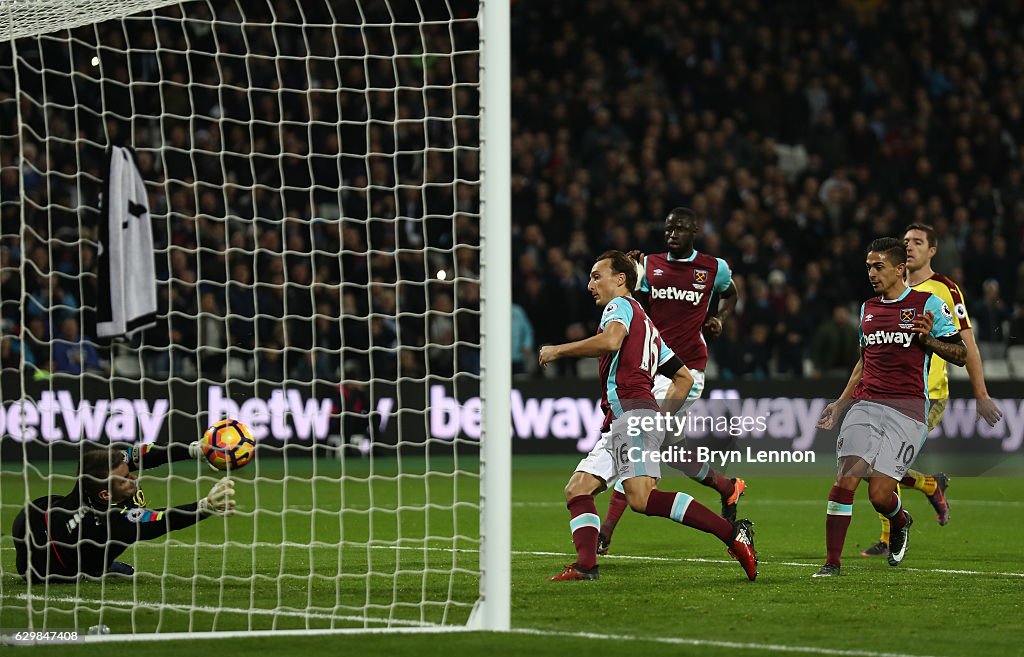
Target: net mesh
x,y
311,171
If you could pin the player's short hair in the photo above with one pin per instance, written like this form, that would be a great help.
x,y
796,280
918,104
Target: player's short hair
x,y
926,229
682,213
893,249
621,264
95,467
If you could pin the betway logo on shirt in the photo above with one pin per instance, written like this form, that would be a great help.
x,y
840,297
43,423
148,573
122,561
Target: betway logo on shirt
x,y
888,337
675,294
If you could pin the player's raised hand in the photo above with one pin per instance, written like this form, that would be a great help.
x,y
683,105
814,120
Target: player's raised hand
x,y
195,450
713,326
220,501
636,255
989,410
923,323
831,414
547,354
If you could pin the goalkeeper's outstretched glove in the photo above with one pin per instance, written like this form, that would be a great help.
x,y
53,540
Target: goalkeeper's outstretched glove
x,y
220,501
196,452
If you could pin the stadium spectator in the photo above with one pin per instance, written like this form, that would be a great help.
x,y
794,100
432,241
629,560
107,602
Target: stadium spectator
x,y
73,354
990,314
522,340
835,346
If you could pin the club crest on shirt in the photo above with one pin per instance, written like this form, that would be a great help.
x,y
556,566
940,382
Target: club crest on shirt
x,y
907,316
700,275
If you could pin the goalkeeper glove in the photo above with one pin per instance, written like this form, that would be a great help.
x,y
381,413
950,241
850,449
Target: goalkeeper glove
x,y
196,451
219,502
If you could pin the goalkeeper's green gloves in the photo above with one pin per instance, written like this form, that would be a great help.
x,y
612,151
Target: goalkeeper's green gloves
x,y
220,501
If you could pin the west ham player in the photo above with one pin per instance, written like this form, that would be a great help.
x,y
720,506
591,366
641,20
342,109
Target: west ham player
x,y
885,427
58,539
681,284
630,352
921,246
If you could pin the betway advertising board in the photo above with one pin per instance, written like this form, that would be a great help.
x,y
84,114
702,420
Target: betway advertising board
x,y
546,416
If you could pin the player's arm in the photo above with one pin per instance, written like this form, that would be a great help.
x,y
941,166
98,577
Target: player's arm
x,y
937,333
140,524
950,348
728,300
835,410
728,296
606,342
150,456
679,388
986,407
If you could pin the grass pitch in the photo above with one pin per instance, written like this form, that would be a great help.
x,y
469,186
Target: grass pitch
x,y
665,589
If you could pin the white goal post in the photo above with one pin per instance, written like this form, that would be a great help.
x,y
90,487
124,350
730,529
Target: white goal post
x,y
294,213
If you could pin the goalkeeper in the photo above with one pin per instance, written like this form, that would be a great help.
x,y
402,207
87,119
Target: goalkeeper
x,y
57,539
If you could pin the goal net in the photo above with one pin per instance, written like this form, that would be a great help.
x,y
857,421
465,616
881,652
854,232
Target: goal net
x,y
270,211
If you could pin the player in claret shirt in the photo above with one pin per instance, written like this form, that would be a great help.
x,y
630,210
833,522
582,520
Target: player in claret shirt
x,y
887,397
681,284
630,350
921,246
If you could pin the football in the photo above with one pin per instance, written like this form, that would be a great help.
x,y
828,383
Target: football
x,y
228,445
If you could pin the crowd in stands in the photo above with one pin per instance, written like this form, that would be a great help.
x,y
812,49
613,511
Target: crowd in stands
x,y
320,230
799,134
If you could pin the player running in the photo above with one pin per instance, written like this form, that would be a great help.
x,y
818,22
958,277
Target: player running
x,y
58,539
884,428
681,284
921,247
630,350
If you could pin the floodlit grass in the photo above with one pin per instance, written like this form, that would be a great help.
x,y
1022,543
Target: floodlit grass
x,y
354,551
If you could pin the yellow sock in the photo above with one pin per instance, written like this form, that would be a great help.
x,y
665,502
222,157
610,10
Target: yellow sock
x,y
922,482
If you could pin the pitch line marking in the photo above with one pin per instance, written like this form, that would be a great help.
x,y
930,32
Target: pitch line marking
x,y
564,555
226,610
415,627
735,645
783,502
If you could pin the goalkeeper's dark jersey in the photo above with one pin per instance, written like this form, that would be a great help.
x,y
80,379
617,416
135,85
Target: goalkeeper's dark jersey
x,y
63,537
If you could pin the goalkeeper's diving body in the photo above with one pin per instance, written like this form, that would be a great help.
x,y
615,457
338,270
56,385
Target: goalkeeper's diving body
x,y
58,539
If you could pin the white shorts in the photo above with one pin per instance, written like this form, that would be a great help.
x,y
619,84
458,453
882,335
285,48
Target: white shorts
x,y
661,384
623,452
886,439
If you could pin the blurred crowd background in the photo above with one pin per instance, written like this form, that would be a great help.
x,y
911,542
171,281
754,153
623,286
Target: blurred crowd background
x,y
312,222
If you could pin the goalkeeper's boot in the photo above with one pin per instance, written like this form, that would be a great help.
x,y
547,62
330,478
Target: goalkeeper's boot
x,y
120,568
879,549
938,498
603,544
573,572
742,549
729,501
828,570
898,542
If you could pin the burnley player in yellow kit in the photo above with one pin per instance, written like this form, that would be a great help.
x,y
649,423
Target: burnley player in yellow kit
x,y
921,246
